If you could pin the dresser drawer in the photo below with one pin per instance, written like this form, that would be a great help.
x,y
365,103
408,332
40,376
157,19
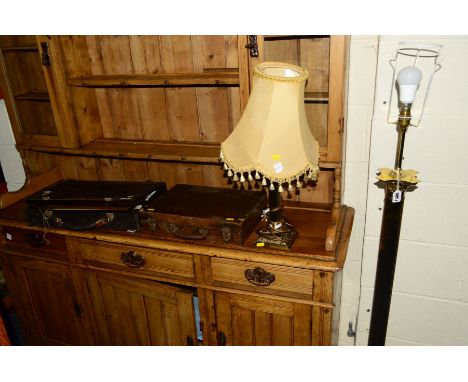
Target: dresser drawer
x,y
36,243
262,278
137,259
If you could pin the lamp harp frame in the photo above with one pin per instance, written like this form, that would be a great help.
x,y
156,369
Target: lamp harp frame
x,y
413,54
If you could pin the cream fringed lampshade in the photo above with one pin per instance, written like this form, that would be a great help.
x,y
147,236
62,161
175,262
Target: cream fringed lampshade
x,y
272,137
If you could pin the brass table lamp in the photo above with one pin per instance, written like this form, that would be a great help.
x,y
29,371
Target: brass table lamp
x,y
273,143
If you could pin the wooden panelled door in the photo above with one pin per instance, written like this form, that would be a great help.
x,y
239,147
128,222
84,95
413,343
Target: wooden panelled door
x,y
28,75
131,311
247,320
50,303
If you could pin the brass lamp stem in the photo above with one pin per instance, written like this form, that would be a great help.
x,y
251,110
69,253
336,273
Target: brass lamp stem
x,y
404,119
274,203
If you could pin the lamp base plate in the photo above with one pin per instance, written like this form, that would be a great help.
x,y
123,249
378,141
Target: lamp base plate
x,y
283,240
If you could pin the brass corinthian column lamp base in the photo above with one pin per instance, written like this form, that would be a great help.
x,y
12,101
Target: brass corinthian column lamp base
x,y
278,232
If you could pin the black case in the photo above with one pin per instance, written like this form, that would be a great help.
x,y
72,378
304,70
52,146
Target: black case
x,y
82,205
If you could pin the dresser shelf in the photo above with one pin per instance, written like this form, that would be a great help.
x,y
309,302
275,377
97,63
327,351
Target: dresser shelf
x,y
38,96
162,79
196,152
20,48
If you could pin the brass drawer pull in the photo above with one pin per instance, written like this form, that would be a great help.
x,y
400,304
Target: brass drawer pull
x,y
260,277
132,260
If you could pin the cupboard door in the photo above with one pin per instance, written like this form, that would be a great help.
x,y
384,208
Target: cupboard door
x,y
247,320
50,304
54,76
26,78
130,311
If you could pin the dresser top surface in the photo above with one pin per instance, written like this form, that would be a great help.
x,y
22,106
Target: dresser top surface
x,y
307,251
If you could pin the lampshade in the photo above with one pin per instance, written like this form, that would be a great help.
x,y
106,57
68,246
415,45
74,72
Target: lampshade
x,y
273,137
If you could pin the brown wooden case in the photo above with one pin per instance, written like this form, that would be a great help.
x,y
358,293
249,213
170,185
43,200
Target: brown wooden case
x,y
204,213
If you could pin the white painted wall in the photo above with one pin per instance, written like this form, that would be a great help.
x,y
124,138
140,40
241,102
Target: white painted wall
x,y
9,157
430,299
360,99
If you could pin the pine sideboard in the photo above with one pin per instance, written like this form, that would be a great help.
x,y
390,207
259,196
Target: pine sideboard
x,y
142,108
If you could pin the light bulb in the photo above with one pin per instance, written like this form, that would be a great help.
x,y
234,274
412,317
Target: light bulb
x,y
408,81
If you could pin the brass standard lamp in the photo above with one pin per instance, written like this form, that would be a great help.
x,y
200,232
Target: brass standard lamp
x,y
397,182
273,143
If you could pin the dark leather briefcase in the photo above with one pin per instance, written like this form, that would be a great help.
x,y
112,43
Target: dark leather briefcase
x,y
82,205
204,213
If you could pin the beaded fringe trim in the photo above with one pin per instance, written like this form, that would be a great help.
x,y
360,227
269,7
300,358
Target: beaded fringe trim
x,y
310,172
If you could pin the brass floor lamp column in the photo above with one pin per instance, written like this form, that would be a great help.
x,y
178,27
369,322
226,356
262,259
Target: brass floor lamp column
x,y
396,183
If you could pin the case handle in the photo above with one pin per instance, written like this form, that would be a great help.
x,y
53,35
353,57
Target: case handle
x,y
226,232
178,231
107,218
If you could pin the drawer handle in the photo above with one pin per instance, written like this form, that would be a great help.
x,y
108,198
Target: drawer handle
x,y
260,277
132,260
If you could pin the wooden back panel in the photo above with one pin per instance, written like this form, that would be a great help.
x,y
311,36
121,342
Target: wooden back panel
x,y
202,114
312,53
